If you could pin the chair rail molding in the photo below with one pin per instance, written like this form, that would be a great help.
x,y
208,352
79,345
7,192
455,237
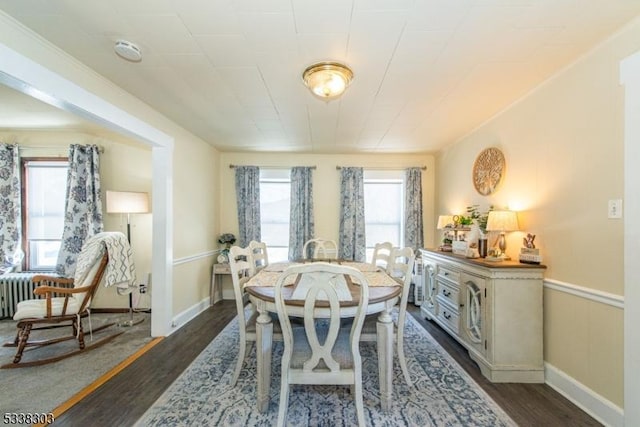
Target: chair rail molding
x,y
586,293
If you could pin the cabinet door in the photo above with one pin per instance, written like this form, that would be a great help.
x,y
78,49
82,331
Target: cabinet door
x,y
430,291
473,312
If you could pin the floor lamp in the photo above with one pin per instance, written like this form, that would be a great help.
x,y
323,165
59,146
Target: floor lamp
x,y
128,202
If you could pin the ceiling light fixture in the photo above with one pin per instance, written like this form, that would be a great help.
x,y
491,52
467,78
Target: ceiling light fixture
x,y
127,50
327,80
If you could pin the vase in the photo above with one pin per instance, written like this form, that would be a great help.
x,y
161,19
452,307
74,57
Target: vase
x,y
482,246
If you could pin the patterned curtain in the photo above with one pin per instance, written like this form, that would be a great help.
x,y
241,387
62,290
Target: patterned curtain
x,y
413,231
352,238
83,205
301,223
248,198
10,224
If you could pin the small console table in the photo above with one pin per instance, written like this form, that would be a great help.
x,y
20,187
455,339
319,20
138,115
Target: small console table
x,y
215,292
494,309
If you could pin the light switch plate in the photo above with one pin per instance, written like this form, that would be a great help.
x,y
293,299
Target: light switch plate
x,y
615,209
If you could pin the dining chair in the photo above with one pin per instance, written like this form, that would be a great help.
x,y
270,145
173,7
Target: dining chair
x,y
259,254
321,248
242,267
400,268
382,254
321,352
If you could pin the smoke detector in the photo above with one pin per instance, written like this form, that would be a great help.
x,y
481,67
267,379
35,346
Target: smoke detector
x,y
128,51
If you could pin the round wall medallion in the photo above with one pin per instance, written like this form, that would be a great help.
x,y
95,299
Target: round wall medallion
x,y
488,170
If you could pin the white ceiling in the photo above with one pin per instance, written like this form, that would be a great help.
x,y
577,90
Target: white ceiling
x,y
426,71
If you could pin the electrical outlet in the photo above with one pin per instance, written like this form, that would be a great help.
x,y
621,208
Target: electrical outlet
x,y
143,288
615,209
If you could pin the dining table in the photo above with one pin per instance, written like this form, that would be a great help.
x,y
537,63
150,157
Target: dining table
x,y
384,293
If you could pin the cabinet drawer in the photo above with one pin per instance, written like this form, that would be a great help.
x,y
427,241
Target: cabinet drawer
x,y
449,293
448,274
449,316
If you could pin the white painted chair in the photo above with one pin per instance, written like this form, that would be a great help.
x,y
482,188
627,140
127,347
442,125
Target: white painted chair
x,y
401,269
382,254
321,249
242,268
321,352
259,254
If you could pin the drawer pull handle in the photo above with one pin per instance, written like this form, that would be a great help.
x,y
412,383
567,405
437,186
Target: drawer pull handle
x,y
446,293
446,315
446,273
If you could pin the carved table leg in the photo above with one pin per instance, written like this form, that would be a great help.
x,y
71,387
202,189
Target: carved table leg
x,y
264,338
384,330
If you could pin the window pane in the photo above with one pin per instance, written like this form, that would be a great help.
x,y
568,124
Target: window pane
x,y
43,254
45,201
383,212
275,201
45,185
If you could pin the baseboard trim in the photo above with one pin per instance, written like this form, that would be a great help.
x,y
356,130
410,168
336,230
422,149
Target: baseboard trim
x,y
586,399
190,313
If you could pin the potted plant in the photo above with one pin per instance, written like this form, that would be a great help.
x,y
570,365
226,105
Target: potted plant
x,y
480,219
226,239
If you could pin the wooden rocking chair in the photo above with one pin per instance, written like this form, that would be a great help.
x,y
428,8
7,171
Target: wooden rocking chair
x,y
63,305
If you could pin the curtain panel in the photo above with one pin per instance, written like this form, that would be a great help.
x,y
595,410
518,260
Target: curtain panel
x,y
301,222
352,244
248,202
413,233
10,223
83,205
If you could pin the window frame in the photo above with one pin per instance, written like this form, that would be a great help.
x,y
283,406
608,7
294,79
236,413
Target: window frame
x,y
395,177
24,207
276,176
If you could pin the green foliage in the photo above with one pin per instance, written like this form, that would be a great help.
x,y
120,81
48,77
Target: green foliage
x,y
479,217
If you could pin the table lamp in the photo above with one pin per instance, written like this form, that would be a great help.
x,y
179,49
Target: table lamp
x,y
444,221
128,202
502,221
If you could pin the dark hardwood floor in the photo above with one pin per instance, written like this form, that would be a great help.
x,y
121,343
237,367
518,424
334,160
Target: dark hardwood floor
x,y
123,399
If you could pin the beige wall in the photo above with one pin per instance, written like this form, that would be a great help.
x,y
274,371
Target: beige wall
x,y
563,146
194,172
326,184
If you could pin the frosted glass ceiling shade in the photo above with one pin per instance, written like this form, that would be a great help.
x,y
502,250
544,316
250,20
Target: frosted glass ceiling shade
x,y
327,80
127,202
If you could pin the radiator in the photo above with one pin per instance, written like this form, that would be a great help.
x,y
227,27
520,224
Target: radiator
x,y
15,287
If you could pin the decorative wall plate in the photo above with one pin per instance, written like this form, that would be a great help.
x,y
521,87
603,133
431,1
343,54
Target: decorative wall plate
x,y
488,170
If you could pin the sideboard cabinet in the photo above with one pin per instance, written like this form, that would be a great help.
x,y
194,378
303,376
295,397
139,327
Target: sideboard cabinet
x,y
494,309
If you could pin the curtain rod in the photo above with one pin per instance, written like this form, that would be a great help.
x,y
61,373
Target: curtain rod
x,y
424,168
43,147
231,166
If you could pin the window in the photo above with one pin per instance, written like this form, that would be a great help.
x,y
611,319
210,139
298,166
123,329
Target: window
x,y
383,208
44,185
275,201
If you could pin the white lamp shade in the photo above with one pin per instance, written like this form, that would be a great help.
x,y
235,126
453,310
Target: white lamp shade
x,y
502,221
444,221
127,202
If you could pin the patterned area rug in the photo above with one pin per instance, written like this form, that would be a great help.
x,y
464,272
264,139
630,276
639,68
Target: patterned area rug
x,y
443,394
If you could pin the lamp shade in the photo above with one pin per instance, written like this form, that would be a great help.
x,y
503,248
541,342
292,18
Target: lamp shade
x,y
444,221
327,80
502,221
127,202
